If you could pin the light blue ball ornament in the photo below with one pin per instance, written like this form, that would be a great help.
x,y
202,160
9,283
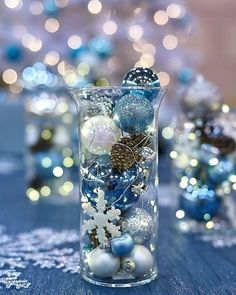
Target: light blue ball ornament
x,y
116,185
122,246
14,53
199,201
102,46
185,75
219,173
133,113
143,77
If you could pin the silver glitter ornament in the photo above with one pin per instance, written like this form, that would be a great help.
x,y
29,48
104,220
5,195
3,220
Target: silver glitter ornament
x,y
138,222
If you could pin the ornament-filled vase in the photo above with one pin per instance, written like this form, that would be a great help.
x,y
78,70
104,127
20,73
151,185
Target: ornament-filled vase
x,y
118,128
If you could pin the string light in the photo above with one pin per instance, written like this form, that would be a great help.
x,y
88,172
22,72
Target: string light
x,y
51,25
13,3
164,78
161,17
57,171
52,58
180,214
74,42
94,6
109,27
136,32
225,108
9,76
36,7
170,42
173,10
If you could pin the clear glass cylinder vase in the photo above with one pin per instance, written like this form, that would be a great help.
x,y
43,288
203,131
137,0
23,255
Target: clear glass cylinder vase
x,y
118,176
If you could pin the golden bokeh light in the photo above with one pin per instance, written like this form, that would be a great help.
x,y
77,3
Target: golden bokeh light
x,y
74,42
94,6
51,25
9,76
161,17
136,32
170,42
109,27
52,58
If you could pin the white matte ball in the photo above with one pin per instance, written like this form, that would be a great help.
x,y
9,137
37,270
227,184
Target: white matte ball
x,y
103,264
98,134
139,262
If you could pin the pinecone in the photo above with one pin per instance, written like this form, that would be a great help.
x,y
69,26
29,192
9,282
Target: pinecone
x,y
141,140
124,154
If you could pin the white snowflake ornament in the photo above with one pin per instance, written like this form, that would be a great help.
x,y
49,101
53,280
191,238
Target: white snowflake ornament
x,y
102,218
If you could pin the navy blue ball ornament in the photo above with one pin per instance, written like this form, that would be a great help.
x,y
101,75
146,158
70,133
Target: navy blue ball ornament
x,y
117,186
197,202
220,172
14,53
143,77
133,113
122,246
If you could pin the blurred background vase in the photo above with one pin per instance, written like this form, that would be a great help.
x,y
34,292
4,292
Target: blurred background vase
x,y
204,160
51,138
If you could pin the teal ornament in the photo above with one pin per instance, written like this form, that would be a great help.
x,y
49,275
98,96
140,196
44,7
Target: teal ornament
x,y
122,246
116,185
14,53
133,113
103,263
139,262
142,77
102,46
220,172
185,75
199,201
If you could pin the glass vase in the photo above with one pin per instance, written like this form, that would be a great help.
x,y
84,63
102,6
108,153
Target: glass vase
x,y
118,179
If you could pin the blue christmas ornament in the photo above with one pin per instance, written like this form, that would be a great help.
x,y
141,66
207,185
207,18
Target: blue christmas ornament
x,y
185,75
46,161
133,113
102,46
199,202
122,246
50,8
219,173
14,53
117,186
143,77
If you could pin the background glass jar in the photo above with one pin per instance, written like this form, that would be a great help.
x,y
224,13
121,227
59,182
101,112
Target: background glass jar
x,y
118,128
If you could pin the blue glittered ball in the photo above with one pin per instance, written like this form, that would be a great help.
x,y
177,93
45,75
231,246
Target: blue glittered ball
x,y
144,77
133,113
122,246
14,53
198,201
219,173
46,161
117,186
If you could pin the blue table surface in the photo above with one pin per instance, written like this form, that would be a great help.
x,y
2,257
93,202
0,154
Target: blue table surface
x,y
187,266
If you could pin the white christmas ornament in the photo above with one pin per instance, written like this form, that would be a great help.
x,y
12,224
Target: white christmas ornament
x,y
102,263
101,219
139,262
98,134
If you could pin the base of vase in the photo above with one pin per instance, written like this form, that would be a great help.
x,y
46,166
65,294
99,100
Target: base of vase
x,y
120,283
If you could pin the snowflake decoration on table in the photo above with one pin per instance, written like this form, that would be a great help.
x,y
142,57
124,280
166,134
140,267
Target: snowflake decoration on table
x,y
42,247
102,218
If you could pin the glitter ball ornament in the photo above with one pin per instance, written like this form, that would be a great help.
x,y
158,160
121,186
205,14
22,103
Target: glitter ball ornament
x,y
117,186
102,263
199,202
140,261
221,172
98,104
123,245
138,222
133,113
142,77
124,154
98,134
